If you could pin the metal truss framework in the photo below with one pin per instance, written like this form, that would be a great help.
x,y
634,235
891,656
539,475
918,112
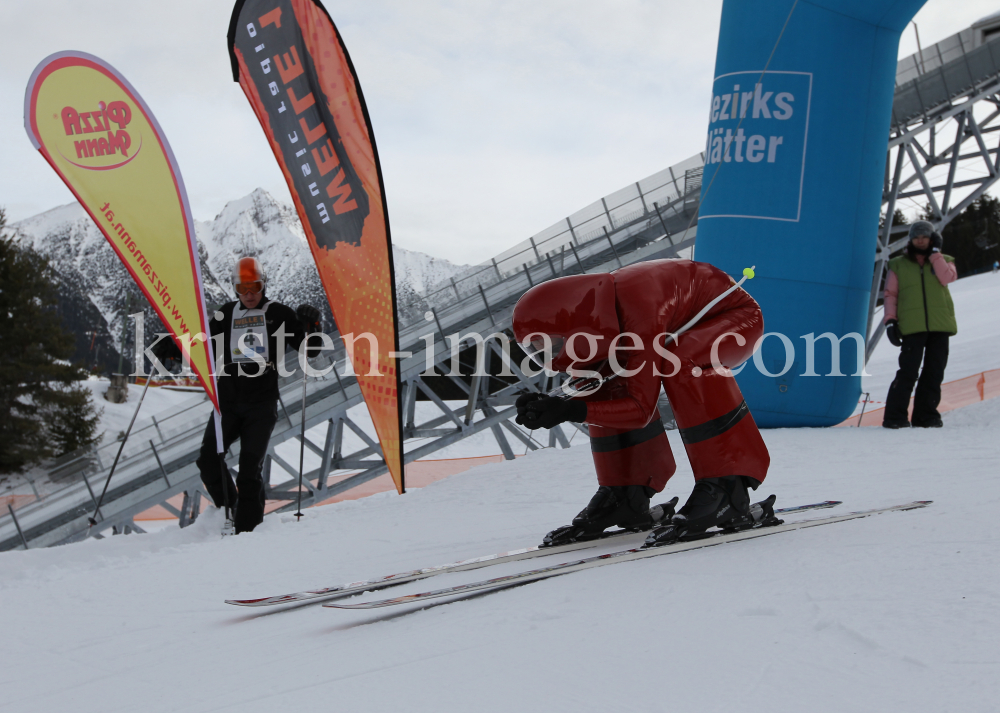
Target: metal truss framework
x,y
484,409
946,161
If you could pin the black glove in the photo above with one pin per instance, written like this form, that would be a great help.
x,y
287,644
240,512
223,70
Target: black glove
x,y
523,400
936,242
308,317
892,332
166,350
539,411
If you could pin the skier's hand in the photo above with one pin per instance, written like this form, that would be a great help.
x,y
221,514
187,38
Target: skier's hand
x,y
892,333
936,242
522,403
524,399
309,318
548,411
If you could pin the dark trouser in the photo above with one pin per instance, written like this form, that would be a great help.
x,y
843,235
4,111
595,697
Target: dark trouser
x,y
252,424
931,348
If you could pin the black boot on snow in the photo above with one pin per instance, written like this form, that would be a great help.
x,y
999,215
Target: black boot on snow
x,y
626,506
714,501
760,515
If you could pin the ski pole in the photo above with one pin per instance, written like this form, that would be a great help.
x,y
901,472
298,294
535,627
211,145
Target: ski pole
x,y
863,407
747,275
302,445
97,510
581,385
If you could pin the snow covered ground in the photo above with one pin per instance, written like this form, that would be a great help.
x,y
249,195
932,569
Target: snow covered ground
x,y
895,612
116,417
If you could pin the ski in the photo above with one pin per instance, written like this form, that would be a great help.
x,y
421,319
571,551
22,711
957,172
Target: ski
x,y
709,540
346,590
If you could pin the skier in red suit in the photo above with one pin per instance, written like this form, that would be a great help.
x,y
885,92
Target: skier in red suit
x,y
644,303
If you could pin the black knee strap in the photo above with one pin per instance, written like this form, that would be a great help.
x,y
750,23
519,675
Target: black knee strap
x,y
606,444
715,427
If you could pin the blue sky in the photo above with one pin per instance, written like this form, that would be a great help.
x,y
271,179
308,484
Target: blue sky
x,y
493,119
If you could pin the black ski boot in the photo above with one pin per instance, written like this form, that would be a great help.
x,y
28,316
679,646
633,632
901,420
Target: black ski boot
x,y
626,506
714,501
758,515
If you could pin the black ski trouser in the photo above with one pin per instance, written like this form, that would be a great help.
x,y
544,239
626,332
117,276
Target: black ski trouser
x,y
930,348
252,425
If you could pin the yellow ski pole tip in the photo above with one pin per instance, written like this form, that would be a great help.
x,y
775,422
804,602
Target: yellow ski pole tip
x,y
748,272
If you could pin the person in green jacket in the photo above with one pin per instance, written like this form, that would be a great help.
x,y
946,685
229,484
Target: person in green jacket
x,y
919,317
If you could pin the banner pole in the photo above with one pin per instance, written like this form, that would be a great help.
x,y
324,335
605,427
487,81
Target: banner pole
x,y
224,469
97,510
302,445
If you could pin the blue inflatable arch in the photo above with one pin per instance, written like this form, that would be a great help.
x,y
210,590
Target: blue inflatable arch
x,y
794,163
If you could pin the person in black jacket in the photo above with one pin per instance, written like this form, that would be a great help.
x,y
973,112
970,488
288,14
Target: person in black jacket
x,y
253,333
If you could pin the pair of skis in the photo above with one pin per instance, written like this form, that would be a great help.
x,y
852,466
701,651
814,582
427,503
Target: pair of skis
x,y
707,540
346,590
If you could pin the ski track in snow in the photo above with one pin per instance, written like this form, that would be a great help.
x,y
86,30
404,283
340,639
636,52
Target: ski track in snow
x,y
898,612
895,612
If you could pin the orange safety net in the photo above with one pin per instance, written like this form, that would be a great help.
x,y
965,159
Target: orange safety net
x,y
954,394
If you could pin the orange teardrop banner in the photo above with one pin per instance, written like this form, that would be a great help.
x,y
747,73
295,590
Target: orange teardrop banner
x,y
293,67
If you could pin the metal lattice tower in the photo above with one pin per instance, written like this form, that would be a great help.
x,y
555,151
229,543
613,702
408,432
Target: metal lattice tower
x,y
944,146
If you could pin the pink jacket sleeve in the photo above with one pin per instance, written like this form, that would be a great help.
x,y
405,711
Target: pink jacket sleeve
x,y
890,297
945,271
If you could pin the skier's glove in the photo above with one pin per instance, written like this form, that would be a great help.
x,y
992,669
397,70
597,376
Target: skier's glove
x,y
892,333
167,351
936,242
308,317
538,411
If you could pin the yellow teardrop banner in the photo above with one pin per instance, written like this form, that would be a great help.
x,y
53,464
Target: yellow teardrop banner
x,y
100,137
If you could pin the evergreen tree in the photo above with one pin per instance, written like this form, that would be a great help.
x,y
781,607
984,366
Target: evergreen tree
x,y
43,411
897,219
973,237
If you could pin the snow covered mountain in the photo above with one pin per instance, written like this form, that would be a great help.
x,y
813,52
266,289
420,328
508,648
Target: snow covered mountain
x,y
256,224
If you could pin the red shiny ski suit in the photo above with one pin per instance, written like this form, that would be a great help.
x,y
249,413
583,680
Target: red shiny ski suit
x,y
629,445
